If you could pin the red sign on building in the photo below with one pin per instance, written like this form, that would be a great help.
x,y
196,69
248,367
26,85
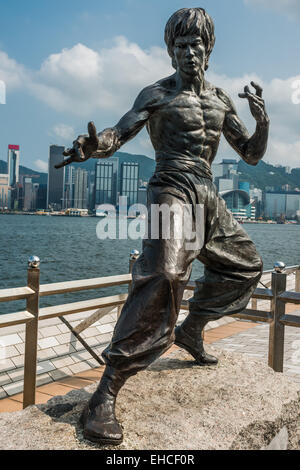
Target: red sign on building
x,y
13,147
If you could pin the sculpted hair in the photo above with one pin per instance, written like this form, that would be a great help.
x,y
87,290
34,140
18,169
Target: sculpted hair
x,y
190,21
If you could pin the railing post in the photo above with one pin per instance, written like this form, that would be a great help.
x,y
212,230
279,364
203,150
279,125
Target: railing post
x,y
297,280
134,254
31,338
276,337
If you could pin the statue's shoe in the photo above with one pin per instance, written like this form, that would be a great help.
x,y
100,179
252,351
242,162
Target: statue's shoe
x,y
101,426
195,348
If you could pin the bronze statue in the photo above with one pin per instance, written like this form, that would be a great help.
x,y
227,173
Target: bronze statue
x,y
185,117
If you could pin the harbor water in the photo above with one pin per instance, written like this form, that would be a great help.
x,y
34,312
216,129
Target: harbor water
x,y
69,249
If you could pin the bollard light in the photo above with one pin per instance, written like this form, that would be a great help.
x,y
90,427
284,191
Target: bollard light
x,y
279,267
134,254
33,262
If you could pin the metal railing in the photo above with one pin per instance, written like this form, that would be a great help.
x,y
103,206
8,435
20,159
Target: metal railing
x,y
275,292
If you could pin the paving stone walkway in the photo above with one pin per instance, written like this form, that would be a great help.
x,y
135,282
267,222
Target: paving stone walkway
x,y
62,360
255,343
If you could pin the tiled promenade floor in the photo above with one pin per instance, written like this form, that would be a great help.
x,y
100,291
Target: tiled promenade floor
x,y
81,379
255,344
239,336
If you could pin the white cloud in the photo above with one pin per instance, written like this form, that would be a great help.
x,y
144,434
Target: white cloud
x,y
291,8
40,165
64,132
12,74
82,80
102,85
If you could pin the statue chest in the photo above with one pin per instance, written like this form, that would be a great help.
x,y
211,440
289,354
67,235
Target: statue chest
x,y
187,112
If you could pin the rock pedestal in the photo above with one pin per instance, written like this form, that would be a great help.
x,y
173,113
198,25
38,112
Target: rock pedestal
x,y
175,404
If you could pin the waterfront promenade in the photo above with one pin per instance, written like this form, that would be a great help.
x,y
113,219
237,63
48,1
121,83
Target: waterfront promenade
x,y
64,364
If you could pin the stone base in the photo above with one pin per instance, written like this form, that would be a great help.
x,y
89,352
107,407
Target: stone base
x,y
239,404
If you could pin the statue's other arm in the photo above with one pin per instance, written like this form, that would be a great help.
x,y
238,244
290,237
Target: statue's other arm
x,y
250,148
111,139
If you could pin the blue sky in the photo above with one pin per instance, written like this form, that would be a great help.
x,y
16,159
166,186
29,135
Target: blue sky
x,y
66,62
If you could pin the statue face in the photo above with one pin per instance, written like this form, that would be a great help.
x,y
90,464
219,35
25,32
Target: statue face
x,y
190,54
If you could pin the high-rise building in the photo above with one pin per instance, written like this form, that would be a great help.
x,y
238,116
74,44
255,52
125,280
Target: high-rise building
x,y
13,163
225,184
28,194
129,181
41,202
3,191
56,178
106,181
69,187
81,189
228,165
217,170
142,195
244,186
286,203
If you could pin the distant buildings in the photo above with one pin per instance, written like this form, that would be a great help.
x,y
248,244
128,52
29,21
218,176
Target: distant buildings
x,y
77,190
106,181
56,178
113,179
245,201
3,191
237,194
129,182
13,163
69,187
80,189
281,203
142,195
27,194
239,203
225,175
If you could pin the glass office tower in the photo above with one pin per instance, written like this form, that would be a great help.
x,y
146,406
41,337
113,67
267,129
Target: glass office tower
x,y
129,182
106,182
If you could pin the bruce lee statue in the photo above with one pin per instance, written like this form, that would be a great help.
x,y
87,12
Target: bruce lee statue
x,y
185,116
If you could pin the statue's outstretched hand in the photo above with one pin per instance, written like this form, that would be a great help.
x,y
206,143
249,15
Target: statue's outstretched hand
x,y
256,103
83,147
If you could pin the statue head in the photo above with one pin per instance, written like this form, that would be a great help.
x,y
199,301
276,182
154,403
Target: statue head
x,y
190,22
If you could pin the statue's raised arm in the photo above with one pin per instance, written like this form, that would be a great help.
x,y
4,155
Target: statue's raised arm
x,y
250,148
107,142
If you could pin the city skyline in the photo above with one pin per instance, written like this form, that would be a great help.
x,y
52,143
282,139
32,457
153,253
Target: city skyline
x,y
74,189
82,72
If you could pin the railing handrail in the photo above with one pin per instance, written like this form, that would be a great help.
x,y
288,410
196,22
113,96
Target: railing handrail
x,y
84,284
64,287
288,268
19,293
276,317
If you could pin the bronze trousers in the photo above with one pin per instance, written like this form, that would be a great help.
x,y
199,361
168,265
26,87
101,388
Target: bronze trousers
x,y
232,269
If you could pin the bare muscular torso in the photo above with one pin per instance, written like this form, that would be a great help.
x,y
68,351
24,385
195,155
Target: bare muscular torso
x,y
183,124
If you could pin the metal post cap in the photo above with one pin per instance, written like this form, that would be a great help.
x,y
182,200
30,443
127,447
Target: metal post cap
x,y
134,254
33,262
279,266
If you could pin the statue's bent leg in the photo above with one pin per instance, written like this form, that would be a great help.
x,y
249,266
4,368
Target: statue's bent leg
x,y
232,271
145,329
